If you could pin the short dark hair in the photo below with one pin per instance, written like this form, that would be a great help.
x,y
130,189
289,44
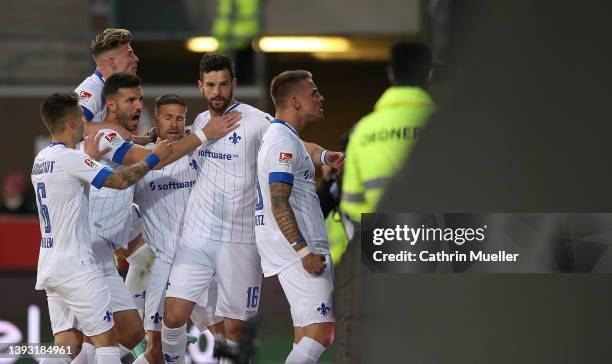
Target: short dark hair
x,y
110,38
56,107
216,62
168,99
410,63
119,81
284,82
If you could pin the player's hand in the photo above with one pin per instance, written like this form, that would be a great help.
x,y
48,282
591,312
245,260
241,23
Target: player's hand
x,y
314,263
152,133
219,126
90,145
335,160
149,137
163,149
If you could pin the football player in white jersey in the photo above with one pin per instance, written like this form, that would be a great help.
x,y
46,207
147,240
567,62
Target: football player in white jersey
x,y
76,291
218,238
113,53
111,211
162,197
290,228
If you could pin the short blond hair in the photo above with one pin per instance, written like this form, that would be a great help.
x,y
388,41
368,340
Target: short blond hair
x,y
110,38
284,83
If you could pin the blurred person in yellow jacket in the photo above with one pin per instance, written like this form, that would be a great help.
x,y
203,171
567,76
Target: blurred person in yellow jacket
x,y
376,150
382,140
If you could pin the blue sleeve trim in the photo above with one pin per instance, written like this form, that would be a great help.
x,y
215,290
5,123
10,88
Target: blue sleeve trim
x,y
101,177
121,152
88,114
282,177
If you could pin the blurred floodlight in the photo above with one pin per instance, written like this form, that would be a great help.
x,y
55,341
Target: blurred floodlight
x,y
304,44
202,44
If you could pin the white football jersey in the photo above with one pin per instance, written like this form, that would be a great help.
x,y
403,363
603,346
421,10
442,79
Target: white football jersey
x,y
111,209
61,177
90,97
283,158
222,204
162,197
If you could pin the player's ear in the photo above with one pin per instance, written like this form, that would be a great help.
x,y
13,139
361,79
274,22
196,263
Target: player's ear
x,y
110,105
234,83
294,102
111,62
70,121
155,121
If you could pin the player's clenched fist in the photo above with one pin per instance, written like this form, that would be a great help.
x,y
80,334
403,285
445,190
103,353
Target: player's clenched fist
x,y
335,160
314,263
218,126
163,149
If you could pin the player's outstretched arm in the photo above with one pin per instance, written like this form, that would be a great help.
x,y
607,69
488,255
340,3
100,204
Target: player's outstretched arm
x,y
217,127
285,219
128,176
320,156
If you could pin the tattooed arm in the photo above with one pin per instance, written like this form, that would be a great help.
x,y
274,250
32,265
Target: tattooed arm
x,y
127,176
285,219
283,214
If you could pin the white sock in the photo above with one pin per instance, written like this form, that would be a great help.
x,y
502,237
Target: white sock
x,y
307,351
108,355
123,351
174,342
141,360
55,360
137,278
87,354
226,360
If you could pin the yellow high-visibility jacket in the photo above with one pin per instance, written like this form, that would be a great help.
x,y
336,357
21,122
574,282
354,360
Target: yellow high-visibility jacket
x,y
379,146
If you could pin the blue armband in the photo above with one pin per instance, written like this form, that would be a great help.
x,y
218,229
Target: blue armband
x,y
151,160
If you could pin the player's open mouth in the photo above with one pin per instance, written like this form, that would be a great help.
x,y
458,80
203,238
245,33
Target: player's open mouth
x,y
135,117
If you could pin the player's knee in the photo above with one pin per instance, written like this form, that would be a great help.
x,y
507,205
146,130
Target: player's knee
x,y
71,338
132,338
176,312
327,337
233,328
323,333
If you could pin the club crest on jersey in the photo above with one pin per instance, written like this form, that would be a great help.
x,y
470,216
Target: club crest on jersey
x,y
235,138
110,136
85,96
284,159
89,162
